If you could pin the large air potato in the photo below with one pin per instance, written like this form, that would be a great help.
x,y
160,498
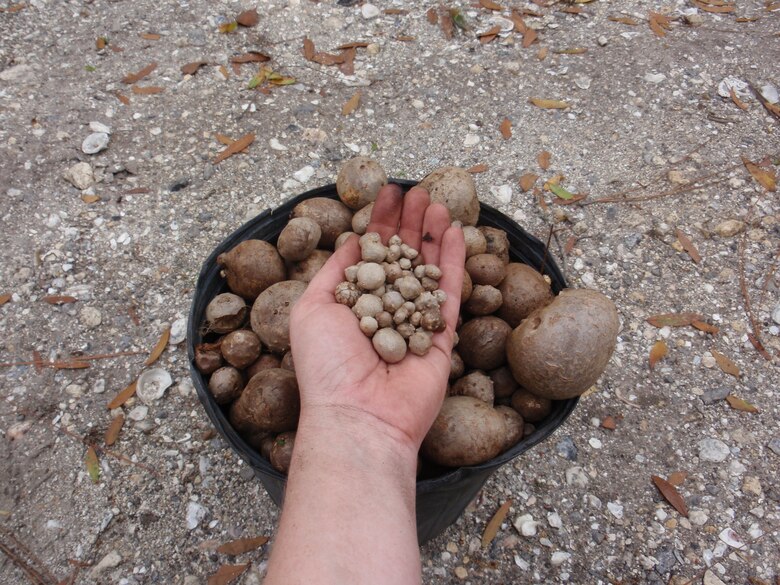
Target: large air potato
x,y
307,269
560,350
454,188
523,290
359,181
482,342
333,217
298,239
251,267
467,431
270,317
269,402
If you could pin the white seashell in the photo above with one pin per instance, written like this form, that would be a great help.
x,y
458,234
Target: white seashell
x,y
152,384
94,143
178,331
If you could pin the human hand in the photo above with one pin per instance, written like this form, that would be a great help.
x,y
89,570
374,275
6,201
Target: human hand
x,y
342,380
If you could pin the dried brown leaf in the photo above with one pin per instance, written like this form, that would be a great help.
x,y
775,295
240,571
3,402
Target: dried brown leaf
x,y
737,102
677,477
688,246
223,70
242,545
58,299
657,25
226,574
527,180
670,494
250,57
706,327
495,523
90,198
739,404
520,25
405,38
432,16
123,98
159,348
122,397
478,168
192,68
549,104
490,5
308,49
674,319
725,364
609,423
347,67
228,27
136,191
328,58
248,18
489,35
112,433
544,160
101,43
355,45
351,105
139,75
657,353
765,178
715,8
151,36
541,54
73,364
445,22
235,147
571,51
624,20
395,11
757,581
222,139
570,243
530,36
572,10
92,464
147,90
506,128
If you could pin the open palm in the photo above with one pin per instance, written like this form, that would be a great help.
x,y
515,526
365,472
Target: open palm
x,y
336,365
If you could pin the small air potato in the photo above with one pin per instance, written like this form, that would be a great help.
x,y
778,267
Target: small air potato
x,y
225,313
560,350
482,342
333,217
287,362
266,444
267,361
256,440
475,384
306,269
241,348
457,367
226,384
497,242
523,291
484,300
362,218
475,241
467,431
486,269
208,358
504,385
466,289
454,188
270,317
530,407
359,182
269,402
298,239
251,267
515,426
281,451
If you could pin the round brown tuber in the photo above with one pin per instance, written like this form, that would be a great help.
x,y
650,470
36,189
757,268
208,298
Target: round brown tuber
x,y
266,444
504,384
306,269
251,267
282,450
270,316
266,361
531,408
208,358
475,384
361,219
475,241
359,181
298,239
467,431
225,313
226,384
466,289
497,242
482,342
523,290
486,269
287,362
560,350
515,426
484,300
269,402
454,188
241,348
333,217
457,367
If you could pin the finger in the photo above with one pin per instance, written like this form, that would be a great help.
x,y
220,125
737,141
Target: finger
x,y
321,287
387,212
412,216
451,261
437,220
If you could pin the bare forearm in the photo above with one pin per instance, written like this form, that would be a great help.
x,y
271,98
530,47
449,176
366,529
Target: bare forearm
x,y
349,513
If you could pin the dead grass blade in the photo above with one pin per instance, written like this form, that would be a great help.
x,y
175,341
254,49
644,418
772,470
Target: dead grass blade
x,y
139,75
159,347
495,523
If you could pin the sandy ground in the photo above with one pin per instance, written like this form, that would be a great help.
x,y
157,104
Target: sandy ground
x,y
645,134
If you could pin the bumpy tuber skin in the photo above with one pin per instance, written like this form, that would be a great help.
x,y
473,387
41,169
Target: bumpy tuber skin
x,y
560,350
486,269
226,313
267,361
475,241
298,239
523,291
333,217
226,384
515,426
269,402
454,188
359,181
484,300
251,267
482,342
270,316
390,345
497,242
281,451
241,348
307,268
457,367
475,384
504,384
208,358
531,408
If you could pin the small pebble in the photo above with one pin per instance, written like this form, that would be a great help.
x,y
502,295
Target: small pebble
x,y
152,384
178,331
94,143
595,443
99,127
776,314
90,317
110,561
729,228
195,515
559,557
616,509
554,520
774,445
566,448
731,538
80,175
526,525
461,573
303,175
369,11
576,477
698,517
713,450
138,413
713,395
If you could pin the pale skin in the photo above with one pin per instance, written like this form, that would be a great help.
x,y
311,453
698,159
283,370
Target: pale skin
x,y
349,509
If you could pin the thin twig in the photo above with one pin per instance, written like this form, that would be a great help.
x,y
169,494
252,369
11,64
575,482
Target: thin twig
x,y
24,559
74,359
755,334
546,249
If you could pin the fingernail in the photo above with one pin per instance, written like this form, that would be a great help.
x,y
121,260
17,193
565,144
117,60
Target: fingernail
x,y
457,224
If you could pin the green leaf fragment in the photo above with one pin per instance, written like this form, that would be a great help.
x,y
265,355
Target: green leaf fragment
x,y
459,19
90,68
374,147
561,192
93,466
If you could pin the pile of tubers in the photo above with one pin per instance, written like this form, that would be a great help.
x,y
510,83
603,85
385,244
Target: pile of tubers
x,y
519,346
